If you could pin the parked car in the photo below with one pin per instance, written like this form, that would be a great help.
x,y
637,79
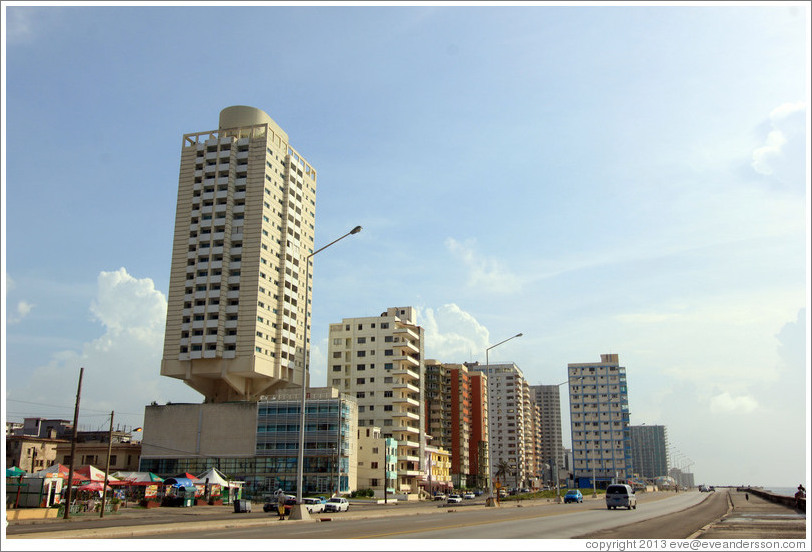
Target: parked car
x,y
271,504
479,492
313,505
468,496
439,496
573,495
502,493
620,495
453,499
337,504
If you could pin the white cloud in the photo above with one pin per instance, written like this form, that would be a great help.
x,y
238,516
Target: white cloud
x,y
452,335
122,366
483,272
783,154
24,308
724,403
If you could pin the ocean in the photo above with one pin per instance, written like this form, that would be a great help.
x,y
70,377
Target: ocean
x,y
786,491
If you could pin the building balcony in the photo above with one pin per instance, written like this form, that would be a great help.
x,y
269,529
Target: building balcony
x,y
406,400
406,385
404,371
407,331
408,345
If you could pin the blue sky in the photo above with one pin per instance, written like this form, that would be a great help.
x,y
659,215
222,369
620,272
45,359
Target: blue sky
x,y
602,179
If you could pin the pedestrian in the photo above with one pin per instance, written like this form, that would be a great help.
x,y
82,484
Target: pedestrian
x,y
280,503
746,496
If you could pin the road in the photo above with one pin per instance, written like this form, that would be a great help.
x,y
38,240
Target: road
x,y
664,516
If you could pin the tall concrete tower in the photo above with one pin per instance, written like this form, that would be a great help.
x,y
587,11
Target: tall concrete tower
x,y
599,419
244,226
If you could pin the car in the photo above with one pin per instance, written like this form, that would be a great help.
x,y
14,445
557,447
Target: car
x,y
478,492
620,496
454,499
313,505
502,493
271,504
439,496
573,495
337,504
468,496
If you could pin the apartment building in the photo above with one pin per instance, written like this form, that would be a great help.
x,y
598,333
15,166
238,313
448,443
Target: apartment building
x,y
377,461
650,450
379,360
453,413
551,448
244,227
508,398
478,443
599,414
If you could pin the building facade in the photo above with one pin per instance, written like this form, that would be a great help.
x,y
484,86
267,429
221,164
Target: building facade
x,y
650,450
478,444
599,418
379,360
508,399
31,453
244,226
92,448
551,448
257,442
377,461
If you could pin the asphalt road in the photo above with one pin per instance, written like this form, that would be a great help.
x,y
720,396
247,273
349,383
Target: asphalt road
x,y
528,521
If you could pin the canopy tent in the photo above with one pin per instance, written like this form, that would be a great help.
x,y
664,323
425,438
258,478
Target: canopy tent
x,y
214,477
138,478
57,470
93,486
192,478
181,482
91,473
15,471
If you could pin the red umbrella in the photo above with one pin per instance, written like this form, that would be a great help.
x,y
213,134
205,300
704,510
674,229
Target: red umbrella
x,y
93,486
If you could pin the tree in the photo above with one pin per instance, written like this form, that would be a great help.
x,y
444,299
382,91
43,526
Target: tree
x,y
502,471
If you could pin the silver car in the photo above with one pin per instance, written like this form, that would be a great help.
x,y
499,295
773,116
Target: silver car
x,y
620,496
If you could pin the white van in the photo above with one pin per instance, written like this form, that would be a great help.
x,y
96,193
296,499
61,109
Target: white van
x,y
620,495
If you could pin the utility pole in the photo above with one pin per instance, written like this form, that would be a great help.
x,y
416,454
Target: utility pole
x,y
73,444
107,471
384,472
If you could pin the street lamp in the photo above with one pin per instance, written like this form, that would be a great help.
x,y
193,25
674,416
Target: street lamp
x,y
299,512
490,500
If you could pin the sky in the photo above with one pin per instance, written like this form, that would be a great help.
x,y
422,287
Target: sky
x,y
601,178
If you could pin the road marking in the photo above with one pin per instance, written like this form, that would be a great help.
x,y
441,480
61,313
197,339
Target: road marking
x,y
457,526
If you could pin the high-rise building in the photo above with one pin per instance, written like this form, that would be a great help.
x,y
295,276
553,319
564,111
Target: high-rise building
x,y
379,361
507,401
551,448
478,444
650,450
599,418
453,417
244,226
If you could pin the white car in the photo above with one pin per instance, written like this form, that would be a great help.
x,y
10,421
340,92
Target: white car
x,y
469,496
453,499
337,504
313,505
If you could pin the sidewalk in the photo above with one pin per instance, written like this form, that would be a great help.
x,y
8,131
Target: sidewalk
x,y
751,517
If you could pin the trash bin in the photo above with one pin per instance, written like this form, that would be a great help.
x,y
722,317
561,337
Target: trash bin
x,y
188,501
241,506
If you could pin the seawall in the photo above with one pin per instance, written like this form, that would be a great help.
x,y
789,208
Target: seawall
x,y
788,501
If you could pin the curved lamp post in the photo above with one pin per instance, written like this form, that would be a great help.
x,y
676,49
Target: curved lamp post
x,y
300,512
490,501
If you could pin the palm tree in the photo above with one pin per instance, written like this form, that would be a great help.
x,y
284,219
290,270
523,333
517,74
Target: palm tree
x,y
502,471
